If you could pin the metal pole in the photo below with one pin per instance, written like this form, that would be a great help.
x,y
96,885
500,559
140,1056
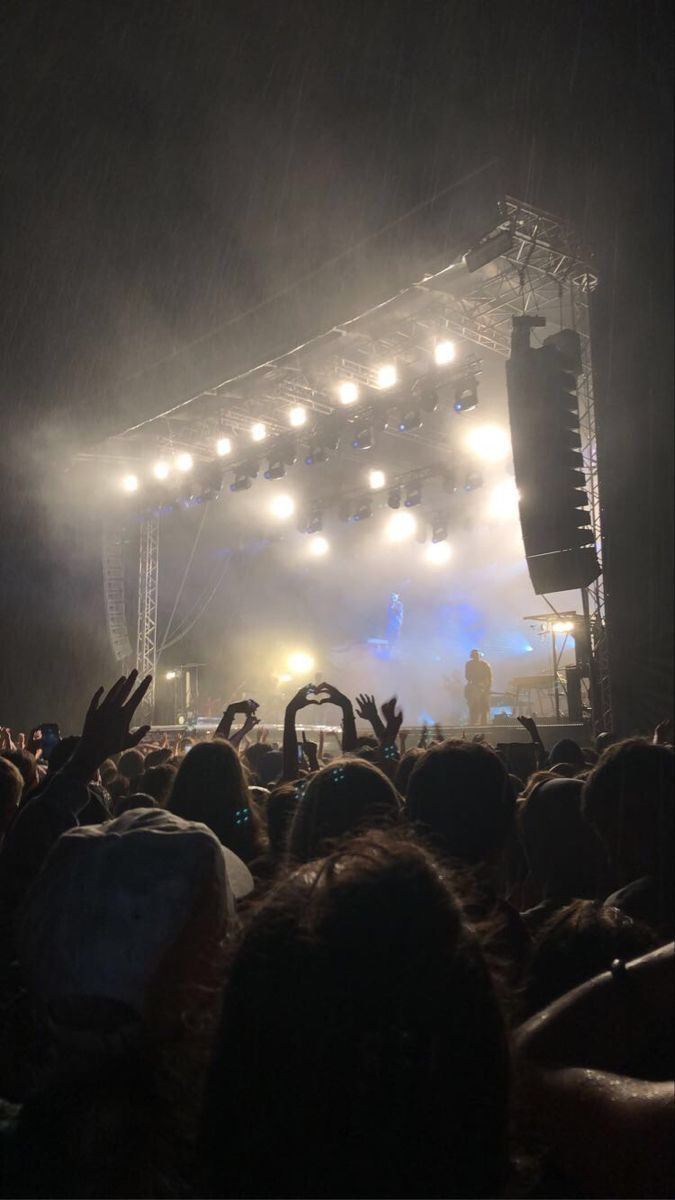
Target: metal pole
x,y
556,694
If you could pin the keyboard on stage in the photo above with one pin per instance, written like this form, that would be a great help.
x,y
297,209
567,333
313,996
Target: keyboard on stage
x,y
532,683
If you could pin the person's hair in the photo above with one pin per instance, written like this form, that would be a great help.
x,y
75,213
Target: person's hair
x,y
131,764
210,787
535,779
281,805
566,751
107,770
362,1048
405,768
629,799
11,787
26,765
135,800
348,796
563,853
157,782
461,799
578,942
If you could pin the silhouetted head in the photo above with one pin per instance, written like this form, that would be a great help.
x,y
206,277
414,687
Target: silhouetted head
x,y
567,751
210,787
475,654
348,796
131,764
11,787
563,852
26,765
158,782
362,1049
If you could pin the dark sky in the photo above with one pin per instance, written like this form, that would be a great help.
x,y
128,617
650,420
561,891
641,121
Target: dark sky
x,y
167,165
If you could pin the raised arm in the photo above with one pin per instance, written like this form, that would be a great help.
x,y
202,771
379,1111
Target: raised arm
x,y
331,695
302,699
530,725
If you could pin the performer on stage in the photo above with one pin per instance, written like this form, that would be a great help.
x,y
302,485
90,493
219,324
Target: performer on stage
x,y
477,691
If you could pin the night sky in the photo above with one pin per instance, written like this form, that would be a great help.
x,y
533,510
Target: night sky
x,y
169,165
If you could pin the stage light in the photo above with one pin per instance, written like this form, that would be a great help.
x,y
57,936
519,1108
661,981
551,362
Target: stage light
x,y
363,438
318,546
184,461
161,469
409,420
223,447
242,482
503,502
438,553
171,675
363,511
297,416
376,480
489,442
401,526
259,431
311,521
129,483
276,470
316,453
413,495
426,395
439,529
300,663
394,498
466,395
348,392
473,480
562,626
444,352
282,507
387,377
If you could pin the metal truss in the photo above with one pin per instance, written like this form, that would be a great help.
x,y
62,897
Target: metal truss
x,y
146,637
115,593
542,269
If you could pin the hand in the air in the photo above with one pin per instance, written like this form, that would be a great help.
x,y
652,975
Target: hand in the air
x,y
106,730
329,694
529,724
366,708
663,734
302,698
393,719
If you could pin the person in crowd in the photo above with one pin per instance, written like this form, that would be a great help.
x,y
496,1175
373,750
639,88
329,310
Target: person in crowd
x,y
629,799
281,806
577,942
27,766
565,858
131,765
362,1048
346,797
210,786
11,787
99,807
158,782
405,768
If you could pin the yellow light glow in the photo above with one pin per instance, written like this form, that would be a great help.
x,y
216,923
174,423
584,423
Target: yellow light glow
x,y
282,507
377,479
129,483
401,526
161,469
387,376
318,546
348,392
170,675
444,352
489,442
223,447
438,553
258,431
562,626
184,461
300,663
297,416
503,501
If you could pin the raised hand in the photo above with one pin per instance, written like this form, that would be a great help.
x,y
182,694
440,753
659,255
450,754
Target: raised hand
x,y
530,726
302,698
393,719
366,709
106,730
310,752
663,734
329,694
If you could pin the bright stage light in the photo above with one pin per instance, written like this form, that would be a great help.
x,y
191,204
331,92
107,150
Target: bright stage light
x,y
348,392
184,461
387,377
438,553
297,416
300,663
489,442
318,546
444,352
377,479
129,483
161,469
562,626
170,675
282,507
401,526
503,501
223,447
258,431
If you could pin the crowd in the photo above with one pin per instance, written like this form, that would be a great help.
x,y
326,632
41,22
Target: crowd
x,y
231,968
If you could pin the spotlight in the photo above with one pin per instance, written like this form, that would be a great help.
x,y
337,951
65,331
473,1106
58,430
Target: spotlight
x,y
300,663
409,419
466,395
171,675
438,553
413,495
316,453
387,377
401,526
242,482
562,626
489,442
275,470
259,431
223,447
363,511
129,483
297,416
161,469
394,498
503,502
377,480
184,461
426,395
318,546
444,352
348,392
439,529
473,480
311,521
282,507
363,437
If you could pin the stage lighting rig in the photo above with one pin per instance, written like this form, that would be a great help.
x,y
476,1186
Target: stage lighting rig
x,y
439,528
244,476
363,437
425,394
363,511
311,521
394,498
473,480
413,495
465,395
408,420
284,455
223,447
